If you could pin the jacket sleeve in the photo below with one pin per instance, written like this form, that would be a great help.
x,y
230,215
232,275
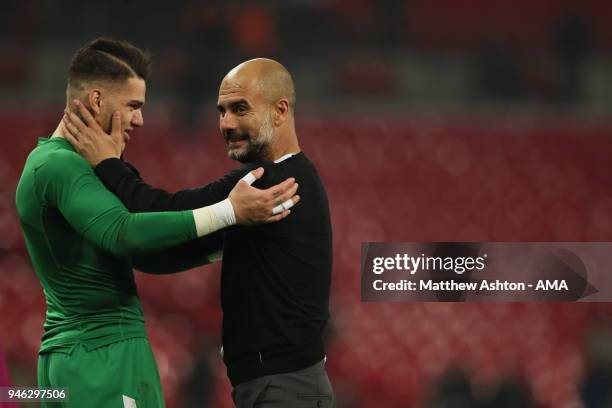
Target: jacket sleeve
x,y
192,254
125,182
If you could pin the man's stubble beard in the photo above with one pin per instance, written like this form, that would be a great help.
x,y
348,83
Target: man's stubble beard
x,y
258,148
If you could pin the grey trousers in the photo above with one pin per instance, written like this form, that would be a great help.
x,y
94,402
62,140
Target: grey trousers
x,y
306,388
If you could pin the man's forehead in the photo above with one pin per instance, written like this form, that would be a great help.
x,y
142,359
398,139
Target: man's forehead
x,y
136,84
132,86
237,85
231,90
230,95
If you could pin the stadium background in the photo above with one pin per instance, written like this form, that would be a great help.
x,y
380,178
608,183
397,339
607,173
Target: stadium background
x,y
438,120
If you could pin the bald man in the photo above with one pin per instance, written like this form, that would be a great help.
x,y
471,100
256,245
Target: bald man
x,y
275,278
253,97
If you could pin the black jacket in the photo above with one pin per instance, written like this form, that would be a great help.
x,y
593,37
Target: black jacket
x,y
276,277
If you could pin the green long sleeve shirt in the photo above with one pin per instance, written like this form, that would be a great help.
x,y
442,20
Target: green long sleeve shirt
x,y
79,237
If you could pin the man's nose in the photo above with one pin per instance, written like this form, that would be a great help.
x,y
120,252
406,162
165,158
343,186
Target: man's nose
x,y
137,119
227,122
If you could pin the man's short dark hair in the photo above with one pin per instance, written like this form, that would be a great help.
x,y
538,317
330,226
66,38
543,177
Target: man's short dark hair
x,y
110,60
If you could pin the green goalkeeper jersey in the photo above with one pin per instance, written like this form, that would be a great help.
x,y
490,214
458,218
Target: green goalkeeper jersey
x,y
79,237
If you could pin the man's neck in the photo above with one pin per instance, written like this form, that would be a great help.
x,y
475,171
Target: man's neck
x,y
285,145
278,154
59,131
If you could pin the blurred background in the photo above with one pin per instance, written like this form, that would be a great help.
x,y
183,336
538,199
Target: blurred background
x,y
437,120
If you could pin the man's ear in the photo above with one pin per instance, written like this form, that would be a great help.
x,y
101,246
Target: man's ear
x,y
281,112
94,99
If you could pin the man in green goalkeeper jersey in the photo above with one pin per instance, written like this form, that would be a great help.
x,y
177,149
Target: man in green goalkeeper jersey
x,y
82,241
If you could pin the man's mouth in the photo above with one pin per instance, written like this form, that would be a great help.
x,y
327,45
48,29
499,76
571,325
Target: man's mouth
x,y
235,142
235,138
